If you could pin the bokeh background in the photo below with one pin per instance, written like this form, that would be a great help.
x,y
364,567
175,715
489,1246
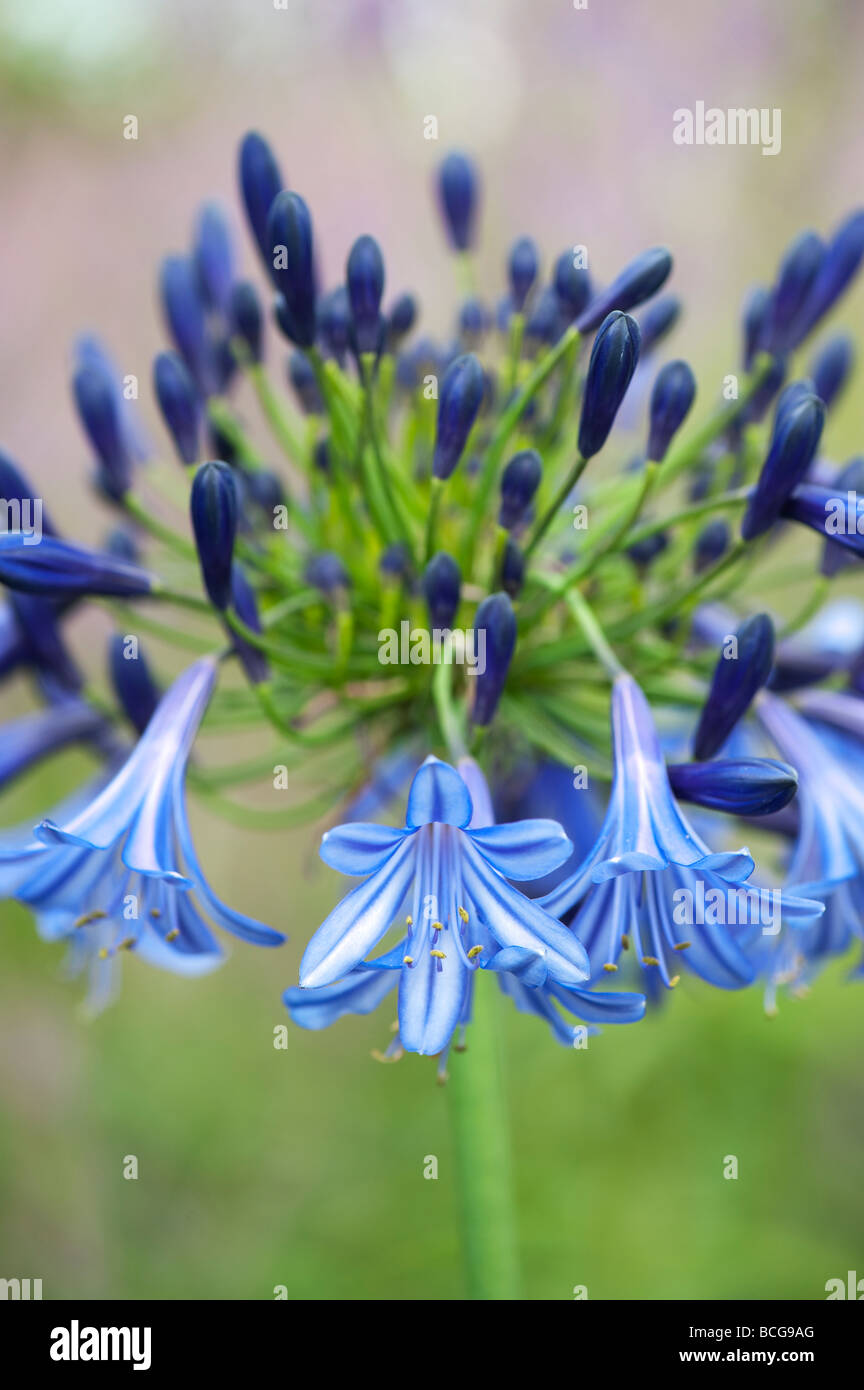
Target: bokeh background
x,y
304,1167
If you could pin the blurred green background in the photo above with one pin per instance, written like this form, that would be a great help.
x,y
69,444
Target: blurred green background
x,y
304,1167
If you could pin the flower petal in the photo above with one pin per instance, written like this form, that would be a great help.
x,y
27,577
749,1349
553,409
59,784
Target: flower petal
x,y
359,993
438,794
524,849
358,921
360,847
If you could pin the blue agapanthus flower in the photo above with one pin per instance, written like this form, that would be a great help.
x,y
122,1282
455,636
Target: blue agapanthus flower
x,y
450,868
115,867
651,883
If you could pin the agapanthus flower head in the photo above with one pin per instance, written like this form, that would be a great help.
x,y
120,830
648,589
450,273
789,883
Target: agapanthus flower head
x,y
572,284
637,282
246,318
831,366
98,411
132,680
657,321
523,266
214,257
292,266
496,620
673,395
796,436
260,181
179,403
364,275
795,279
640,886
460,397
610,370
117,868
742,669
442,588
213,509
57,569
519,482
458,189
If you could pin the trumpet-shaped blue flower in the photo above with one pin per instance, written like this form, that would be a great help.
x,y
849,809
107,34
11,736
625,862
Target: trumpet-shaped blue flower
x,y
648,861
116,866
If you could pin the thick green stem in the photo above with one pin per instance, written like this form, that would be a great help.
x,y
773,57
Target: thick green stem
x,y
482,1151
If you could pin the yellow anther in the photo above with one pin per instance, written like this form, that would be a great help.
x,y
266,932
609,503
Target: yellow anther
x,y
463,914
673,982
383,1056
650,960
682,945
127,944
409,921
103,954
437,926
625,942
609,966
173,934
91,917
475,951
407,960
155,912
439,955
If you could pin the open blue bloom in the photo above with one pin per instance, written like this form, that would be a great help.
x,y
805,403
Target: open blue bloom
x,y
461,910
116,866
648,862
458,864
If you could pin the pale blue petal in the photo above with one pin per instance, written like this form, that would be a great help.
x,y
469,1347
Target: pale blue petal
x,y
438,794
359,848
524,849
359,921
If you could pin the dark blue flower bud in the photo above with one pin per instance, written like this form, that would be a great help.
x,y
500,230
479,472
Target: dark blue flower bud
x,y
457,190
133,684
245,605
793,447
764,394
33,638
796,277
214,257
122,543
185,318
474,321
57,569
213,509
321,457
711,543
247,319
265,489
572,285
395,561
494,643
512,569
658,321
546,323
790,397
14,487
504,312
736,680
839,266
459,401
365,277
636,283
610,369
260,182
836,557
831,367
833,514
334,322
519,482
292,266
673,395
738,786
645,552
401,319
179,403
757,307
99,413
442,588
91,352
302,377
522,268
326,572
